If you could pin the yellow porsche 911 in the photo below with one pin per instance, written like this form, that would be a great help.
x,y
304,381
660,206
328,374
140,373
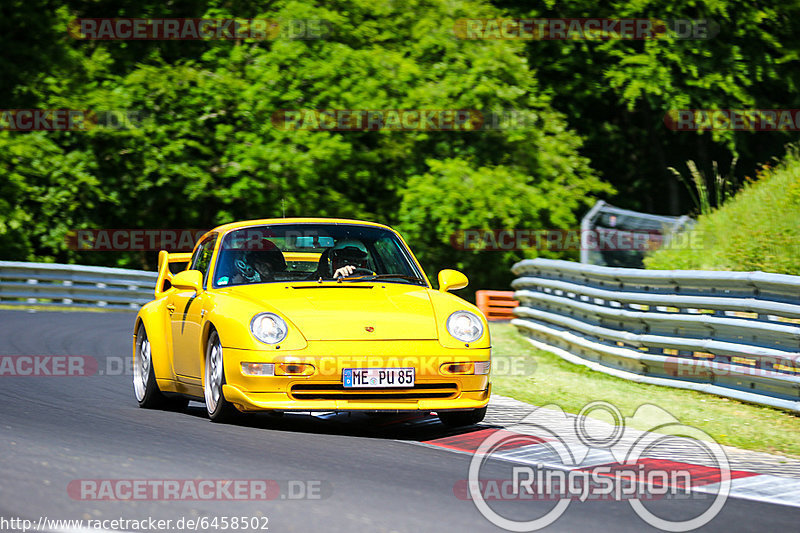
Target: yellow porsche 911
x,y
310,315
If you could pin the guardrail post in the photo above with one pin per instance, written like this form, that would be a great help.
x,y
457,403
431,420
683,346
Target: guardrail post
x,y
32,281
67,283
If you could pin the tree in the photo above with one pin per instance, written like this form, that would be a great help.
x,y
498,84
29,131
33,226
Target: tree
x,y
202,148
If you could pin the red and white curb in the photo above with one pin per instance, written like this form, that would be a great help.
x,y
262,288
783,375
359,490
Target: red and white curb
x,y
519,445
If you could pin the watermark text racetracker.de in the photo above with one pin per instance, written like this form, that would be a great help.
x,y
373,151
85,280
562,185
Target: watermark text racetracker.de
x,y
112,365
184,240
733,119
331,366
128,240
588,29
48,365
452,120
24,120
695,367
64,366
598,239
550,456
377,119
198,489
193,29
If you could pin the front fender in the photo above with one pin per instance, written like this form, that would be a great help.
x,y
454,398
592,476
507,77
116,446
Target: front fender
x,y
153,316
444,304
231,316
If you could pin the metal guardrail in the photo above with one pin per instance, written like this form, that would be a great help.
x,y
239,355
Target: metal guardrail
x,y
58,285
735,334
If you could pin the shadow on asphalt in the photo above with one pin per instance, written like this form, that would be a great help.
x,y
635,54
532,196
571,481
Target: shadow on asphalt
x,y
396,426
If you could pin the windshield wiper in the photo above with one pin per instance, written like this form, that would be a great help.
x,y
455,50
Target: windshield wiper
x,y
384,276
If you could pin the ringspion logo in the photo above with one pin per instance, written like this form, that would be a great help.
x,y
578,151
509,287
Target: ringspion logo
x,y
550,456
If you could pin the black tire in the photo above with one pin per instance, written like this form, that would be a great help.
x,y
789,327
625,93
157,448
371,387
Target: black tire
x,y
145,387
218,408
462,418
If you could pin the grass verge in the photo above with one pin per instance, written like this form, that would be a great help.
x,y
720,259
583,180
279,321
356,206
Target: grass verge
x,y
556,381
758,229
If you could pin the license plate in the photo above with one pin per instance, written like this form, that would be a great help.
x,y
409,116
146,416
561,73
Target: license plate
x,y
377,377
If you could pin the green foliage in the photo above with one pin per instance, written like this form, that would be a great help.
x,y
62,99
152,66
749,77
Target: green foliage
x,y
758,229
454,195
721,186
202,149
616,93
45,191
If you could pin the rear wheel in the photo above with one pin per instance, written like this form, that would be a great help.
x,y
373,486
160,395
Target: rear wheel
x,y
145,387
219,409
462,418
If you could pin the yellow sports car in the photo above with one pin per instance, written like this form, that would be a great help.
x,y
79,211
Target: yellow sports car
x,y
310,314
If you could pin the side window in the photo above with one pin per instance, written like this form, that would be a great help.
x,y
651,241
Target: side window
x,y
202,257
390,252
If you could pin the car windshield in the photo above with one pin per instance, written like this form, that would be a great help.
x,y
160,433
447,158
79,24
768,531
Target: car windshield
x,y
310,252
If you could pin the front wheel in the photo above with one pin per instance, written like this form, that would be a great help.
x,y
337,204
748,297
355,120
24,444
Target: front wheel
x,y
145,387
462,418
219,409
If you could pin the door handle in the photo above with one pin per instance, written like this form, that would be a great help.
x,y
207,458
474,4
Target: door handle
x,y
170,308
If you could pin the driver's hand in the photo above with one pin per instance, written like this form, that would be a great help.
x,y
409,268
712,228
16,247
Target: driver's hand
x,y
344,271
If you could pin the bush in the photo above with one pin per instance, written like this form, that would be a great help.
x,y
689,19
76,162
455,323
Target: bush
x,y
758,229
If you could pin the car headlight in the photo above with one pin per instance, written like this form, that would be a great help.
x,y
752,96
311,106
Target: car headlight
x,y
269,328
465,326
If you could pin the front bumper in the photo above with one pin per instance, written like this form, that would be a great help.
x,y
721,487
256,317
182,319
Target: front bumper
x,y
434,390
259,401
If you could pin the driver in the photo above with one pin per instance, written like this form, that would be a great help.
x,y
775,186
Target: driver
x,y
344,259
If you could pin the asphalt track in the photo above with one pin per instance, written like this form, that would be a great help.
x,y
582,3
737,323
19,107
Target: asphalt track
x,y
373,473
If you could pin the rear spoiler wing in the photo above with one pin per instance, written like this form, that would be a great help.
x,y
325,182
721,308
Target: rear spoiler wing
x,y
165,259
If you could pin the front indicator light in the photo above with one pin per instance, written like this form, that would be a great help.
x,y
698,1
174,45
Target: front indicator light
x,y
258,369
466,369
458,368
482,367
294,369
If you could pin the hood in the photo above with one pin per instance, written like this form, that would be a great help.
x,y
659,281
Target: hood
x,y
346,311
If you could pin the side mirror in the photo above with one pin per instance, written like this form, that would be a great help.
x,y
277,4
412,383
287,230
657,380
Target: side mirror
x,y
189,280
451,280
